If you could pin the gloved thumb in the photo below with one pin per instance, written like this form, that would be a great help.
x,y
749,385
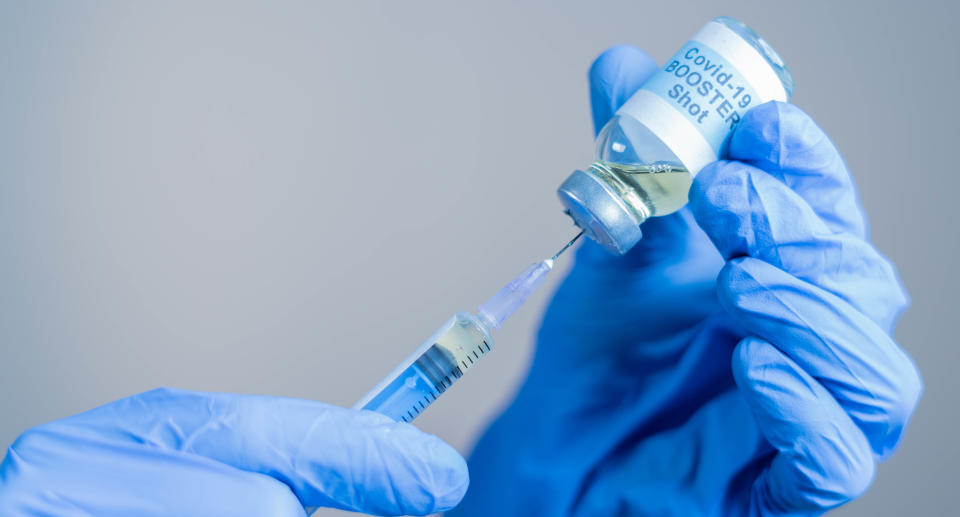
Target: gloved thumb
x,y
328,456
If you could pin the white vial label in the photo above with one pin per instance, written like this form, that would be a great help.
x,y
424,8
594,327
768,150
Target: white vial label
x,y
707,90
694,102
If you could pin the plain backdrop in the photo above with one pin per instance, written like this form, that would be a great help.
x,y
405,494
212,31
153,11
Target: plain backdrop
x,y
287,197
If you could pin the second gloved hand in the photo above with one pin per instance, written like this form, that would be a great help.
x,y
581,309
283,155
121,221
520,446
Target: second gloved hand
x,y
173,452
737,361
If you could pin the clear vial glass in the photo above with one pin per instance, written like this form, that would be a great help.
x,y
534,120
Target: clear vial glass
x,y
634,160
636,173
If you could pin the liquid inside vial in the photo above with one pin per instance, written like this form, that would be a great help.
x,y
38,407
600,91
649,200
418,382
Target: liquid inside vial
x,y
641,168
663,186
658,188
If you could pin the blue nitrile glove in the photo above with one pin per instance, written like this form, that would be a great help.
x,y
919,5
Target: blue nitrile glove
x,y
679,380
172,452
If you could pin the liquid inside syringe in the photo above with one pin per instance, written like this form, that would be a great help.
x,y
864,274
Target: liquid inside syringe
x,y
431,369
452,350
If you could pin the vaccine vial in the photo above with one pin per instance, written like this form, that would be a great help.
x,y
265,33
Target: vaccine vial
x,y
679,121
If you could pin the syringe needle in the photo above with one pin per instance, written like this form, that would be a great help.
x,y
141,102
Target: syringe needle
x,y
511,297
573,240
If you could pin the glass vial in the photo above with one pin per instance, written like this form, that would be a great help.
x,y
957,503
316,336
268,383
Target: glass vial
x,y
675,124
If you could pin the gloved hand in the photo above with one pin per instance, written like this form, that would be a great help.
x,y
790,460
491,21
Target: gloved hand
x,y
738,361
172,452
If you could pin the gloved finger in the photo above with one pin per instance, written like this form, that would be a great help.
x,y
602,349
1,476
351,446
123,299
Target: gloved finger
x,y
823,459
50,471
328,456
746,211
614,76
785,142
871,377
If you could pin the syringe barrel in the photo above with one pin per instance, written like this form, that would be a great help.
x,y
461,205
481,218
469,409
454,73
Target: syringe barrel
x,y
431,369
452,350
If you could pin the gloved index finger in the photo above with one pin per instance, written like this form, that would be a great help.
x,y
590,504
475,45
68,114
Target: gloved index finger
x,y
329,456
747,212
783,141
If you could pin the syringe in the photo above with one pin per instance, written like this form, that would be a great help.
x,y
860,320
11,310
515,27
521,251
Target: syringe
x,y
452,350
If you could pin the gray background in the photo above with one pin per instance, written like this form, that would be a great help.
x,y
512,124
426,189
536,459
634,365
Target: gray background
x,y
286,198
